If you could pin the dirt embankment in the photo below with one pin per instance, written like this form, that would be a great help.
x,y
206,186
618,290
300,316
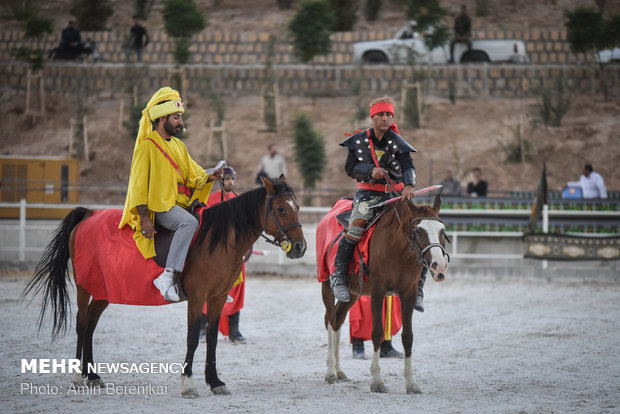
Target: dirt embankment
x,y
462,135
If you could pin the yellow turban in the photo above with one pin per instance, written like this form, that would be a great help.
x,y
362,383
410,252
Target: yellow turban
x,y
148,113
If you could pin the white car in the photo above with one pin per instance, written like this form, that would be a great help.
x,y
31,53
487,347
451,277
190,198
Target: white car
x,y
408,47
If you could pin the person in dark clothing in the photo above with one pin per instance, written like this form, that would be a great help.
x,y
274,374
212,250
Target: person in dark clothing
x,y
70,42
478,187
462,31
139,37
379,159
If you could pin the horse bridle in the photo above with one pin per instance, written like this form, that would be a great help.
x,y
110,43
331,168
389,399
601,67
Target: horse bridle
x,y
415,246
285,243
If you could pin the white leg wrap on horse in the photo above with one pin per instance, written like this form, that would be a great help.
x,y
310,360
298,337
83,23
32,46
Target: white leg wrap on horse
x,y
337,350
330,375
411,384
376,384
340,375
188,389
77,380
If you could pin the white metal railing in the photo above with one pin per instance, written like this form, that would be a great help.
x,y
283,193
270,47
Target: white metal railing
x,y
309,230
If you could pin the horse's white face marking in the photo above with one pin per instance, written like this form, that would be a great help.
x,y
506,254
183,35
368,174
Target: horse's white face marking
x,y
292,204
433,229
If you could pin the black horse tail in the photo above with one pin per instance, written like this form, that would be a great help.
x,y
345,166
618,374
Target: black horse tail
x,y
52,272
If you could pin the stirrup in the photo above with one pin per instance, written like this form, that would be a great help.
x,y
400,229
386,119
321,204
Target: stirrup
x,y
171,294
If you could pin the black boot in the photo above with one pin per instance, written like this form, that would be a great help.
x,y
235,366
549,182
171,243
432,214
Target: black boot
x,y
233,329
419,304
339,280
203,327
388,351
357,345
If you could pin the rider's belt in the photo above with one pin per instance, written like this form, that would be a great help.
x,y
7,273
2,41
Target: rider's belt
x,y
183,189
384,188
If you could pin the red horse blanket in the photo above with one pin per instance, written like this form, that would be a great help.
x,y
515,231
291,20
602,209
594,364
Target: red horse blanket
x,y
109,265
326,232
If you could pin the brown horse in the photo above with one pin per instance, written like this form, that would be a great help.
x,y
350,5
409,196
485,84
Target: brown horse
x,y
406,239
214,262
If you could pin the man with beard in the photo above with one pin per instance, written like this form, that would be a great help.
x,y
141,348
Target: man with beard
x,y
162,181
379,159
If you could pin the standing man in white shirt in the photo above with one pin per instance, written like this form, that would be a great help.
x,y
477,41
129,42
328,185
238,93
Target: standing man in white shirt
x,y
591,183
272,165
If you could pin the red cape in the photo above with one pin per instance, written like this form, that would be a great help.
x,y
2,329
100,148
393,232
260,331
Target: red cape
x,y
109,265
360,318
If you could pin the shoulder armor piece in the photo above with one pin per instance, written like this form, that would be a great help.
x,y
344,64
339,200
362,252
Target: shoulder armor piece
x,y
403,146
352,141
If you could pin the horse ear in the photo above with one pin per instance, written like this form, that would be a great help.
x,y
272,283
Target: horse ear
x,y
411,205
268,185
437,204
282,178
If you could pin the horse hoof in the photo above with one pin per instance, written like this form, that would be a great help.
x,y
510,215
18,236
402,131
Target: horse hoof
x,y
330,378
77,382
191,393
221,390
341,376
378,387
413,389
97,382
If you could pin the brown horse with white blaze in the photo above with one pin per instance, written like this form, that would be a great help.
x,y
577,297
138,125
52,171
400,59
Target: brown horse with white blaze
x,y
214,262
407,237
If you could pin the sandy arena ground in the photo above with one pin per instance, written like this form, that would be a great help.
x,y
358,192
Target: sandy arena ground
x,y
483,346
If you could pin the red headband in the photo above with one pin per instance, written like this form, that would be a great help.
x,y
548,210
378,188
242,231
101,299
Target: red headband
x,y
381,107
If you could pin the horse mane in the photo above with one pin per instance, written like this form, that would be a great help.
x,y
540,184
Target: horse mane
x,y
240,213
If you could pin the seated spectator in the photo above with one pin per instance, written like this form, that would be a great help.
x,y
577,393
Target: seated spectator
x,y
70,41
462,31
591,183
451,186
478,187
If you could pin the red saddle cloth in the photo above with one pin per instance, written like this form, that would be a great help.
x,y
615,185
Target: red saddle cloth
x,y
109,265
326,231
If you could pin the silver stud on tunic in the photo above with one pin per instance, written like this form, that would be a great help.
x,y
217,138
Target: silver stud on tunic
x,y
358,141
361,159
366,139
390,141
359,150
397,167
394,147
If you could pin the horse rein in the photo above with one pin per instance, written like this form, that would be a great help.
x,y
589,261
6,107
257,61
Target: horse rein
x,y
285,243
415,246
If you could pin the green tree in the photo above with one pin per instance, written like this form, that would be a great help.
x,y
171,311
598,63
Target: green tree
x,y
344,11
372,9
588,31
310,29
182,20
34,26
552,105
429,16
284,4
91,15
309,150
584,30
142,8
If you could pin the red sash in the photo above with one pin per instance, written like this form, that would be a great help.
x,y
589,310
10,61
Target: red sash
x,y
181,188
